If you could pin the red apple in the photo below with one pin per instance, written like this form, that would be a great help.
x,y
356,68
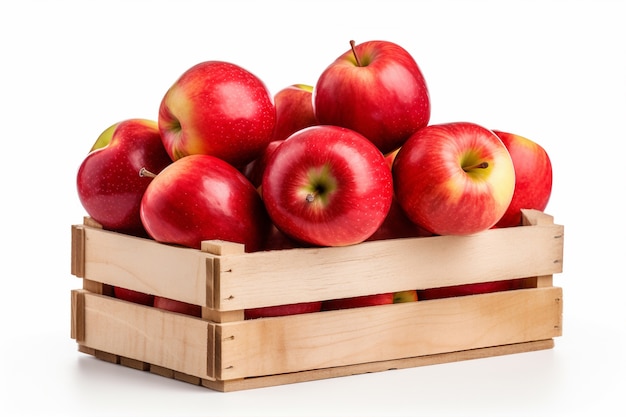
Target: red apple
x,y
359,301
108,184
533,177
220,109
201,197
177,306
294,110
133,296
454,179
283,310
327,186
377,89
466,289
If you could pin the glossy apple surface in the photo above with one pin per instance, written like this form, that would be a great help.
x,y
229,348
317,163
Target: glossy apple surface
x,y
201,197
283,310
359,301
176,306
327,186
294,110
108,184
133,296
533,177
382,95
217,108
454,179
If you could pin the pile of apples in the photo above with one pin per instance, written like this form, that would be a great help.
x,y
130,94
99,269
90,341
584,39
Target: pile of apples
x,y
350,159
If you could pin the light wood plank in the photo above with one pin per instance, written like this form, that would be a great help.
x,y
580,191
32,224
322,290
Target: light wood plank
x,y
77,329
233,282
388,332
78,251
380,366
165,339
300,275
145,265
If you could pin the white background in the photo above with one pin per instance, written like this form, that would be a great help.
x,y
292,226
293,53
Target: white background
x,y
554,71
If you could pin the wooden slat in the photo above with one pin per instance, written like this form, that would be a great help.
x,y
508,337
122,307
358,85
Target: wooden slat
x,y
379,366
531,217
299,275
77,329
145,265
78,251
388,332
235,281
169,340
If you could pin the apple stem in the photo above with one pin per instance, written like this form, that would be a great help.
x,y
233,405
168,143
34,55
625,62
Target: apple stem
x,y
358,61
483,164
143,172
310,197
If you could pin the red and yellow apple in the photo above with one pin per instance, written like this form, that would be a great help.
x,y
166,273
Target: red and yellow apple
x,y
405,296
327,186
454,178
108,184
294,110
217,108
201,197
377,89
533,177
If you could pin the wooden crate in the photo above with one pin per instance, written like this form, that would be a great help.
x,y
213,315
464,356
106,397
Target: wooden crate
x,y
224,352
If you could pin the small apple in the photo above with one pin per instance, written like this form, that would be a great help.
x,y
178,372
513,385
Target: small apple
x,y
201,197
217,108
294,110
358,301
133,296
466,289
176,306
454,179
405,296
377,89
282,310
533,177
108,184
327,186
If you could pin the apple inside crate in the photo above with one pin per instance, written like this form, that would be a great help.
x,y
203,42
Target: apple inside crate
x,y
222,351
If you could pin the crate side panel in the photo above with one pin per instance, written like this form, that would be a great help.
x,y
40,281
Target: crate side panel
x,y
146,266
298,275
341,371
339,338
170,340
